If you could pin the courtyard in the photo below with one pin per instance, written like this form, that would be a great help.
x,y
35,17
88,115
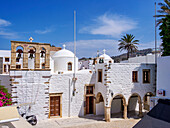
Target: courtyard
x,y
88,122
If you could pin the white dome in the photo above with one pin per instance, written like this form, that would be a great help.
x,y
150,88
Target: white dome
x,y
63,53
105,56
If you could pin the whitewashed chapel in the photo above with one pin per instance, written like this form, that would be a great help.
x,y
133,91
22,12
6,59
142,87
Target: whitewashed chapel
x,y
48,77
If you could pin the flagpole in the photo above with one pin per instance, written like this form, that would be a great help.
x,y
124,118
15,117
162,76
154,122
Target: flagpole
x,y
155,51
155,38
74,44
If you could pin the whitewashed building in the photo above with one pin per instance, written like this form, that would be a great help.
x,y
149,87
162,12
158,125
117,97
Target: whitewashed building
x,y
48,78
163,76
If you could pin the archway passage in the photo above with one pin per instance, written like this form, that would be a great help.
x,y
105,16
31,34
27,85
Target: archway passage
x,y
118,107
99,105
134,106
146,101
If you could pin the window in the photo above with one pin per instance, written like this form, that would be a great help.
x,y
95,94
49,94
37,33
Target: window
x,y
43,66
6,59
18,66
69,66
89,90
100,75
135,76
146,75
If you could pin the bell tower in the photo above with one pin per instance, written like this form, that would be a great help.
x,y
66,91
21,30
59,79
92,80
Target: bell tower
x,y
29,55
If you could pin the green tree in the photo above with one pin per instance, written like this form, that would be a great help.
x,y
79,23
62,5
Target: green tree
x,y
128,43
165,10
165,35
164,23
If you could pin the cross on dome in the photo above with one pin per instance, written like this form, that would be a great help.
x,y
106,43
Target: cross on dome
x,y
104,51
31,39
64,46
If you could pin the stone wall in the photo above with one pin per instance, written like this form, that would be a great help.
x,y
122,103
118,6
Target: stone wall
x,y
31,87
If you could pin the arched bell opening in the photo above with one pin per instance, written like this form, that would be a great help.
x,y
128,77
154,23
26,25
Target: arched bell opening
x,y
19,57
31,57
42,57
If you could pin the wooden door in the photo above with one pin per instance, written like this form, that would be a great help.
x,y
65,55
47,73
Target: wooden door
x,y
89,105
55,106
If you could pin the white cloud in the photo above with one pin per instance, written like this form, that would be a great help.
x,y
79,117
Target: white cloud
x,y
5,33
88,48
110,25
8,35
149,45
43,31
4,23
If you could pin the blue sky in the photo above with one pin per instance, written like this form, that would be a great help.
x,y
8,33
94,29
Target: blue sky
x,y
100,23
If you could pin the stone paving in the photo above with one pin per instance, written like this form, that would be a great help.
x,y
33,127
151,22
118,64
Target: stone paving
x,y
87,122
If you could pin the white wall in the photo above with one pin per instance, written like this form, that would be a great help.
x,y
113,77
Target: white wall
x,y
60,83
31,88
120,77
5,81
100,108
61,64
149,58
163,75
5,53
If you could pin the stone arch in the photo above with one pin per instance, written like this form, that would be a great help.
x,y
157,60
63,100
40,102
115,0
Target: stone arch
x,y
19,57
134,105
31,57
42,52
100,103
124,99
19,51
146,100
118,106
19,46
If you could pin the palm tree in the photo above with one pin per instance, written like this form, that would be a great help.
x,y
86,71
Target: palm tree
x,y
165,10
128,43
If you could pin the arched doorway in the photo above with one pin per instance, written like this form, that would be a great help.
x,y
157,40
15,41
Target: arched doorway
x,y
118,107
146,101
134,106
99,104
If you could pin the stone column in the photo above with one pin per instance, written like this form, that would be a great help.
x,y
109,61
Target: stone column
x,y
125,111
25,60
107,114
37,60
47,61
13,56
140,109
